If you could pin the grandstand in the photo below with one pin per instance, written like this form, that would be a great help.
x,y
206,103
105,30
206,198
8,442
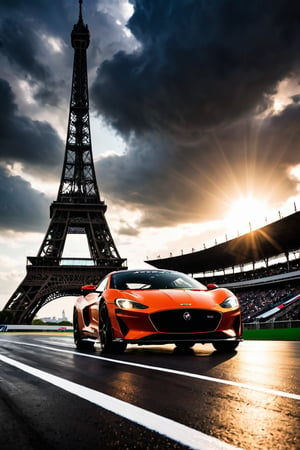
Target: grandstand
x,y
270,290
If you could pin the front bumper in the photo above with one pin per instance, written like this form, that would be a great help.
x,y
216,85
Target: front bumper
x,y
156,339
170,326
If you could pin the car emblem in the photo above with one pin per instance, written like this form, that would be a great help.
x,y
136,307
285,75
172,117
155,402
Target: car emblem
x,y
186,316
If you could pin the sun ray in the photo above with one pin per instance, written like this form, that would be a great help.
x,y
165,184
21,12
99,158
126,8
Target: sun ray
x,y
248,212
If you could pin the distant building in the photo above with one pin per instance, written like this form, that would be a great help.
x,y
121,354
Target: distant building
x,y
56,319
49,319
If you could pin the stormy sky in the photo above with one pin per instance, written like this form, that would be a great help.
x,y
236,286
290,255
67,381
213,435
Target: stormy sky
x,y
195,103
204,94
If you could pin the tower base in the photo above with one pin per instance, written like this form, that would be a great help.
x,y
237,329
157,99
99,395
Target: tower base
x,y
48,279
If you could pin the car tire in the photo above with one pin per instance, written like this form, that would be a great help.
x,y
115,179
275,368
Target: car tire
x,y
78,341
106,334
225,347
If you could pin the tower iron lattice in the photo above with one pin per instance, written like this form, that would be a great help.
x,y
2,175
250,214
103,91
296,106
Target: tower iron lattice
x,y
77,210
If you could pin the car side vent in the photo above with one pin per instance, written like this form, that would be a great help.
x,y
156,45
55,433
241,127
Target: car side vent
x,y
237,324
123,326
86,316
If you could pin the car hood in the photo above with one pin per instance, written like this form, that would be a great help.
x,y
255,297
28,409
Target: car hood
x,y
174,298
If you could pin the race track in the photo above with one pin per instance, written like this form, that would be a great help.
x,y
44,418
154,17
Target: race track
x,y
54,397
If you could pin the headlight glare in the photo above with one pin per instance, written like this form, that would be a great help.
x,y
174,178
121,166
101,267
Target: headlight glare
x,y
125,303
230,302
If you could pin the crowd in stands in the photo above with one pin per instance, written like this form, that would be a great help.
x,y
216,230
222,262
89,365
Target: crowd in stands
x,y
262,272
255,302
292,314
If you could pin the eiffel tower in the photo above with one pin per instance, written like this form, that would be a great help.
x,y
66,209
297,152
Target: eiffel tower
x,y
77,210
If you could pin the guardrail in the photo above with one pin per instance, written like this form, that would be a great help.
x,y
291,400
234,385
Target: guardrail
x,y
272,325
36,328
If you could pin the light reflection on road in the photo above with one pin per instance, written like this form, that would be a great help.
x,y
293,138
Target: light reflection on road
x,y
260,365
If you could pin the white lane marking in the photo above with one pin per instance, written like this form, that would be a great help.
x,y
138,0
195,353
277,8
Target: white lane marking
x,y
172,371
154,422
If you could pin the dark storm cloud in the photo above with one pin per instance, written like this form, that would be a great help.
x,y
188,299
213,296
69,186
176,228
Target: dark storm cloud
x,y
22,28
40,14
200,63
18,43
21,207
38,148
33,143
188,102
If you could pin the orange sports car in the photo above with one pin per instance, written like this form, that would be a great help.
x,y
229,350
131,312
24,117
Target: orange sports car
x,y
155,307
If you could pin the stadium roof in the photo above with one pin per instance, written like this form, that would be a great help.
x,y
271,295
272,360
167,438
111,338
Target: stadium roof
x,y
275,239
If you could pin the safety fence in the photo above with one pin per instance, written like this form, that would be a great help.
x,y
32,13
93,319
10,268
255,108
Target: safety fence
x,y
272,325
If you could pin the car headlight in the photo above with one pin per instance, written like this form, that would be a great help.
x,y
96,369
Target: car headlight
x,y
124,303
230,302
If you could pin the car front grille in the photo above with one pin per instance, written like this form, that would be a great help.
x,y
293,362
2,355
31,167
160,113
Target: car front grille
x,y
185,320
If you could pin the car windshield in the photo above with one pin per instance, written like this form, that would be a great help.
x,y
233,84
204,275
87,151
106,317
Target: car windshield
x,y
153,279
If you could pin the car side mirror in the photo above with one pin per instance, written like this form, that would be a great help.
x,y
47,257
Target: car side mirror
x,y
87,289
210,287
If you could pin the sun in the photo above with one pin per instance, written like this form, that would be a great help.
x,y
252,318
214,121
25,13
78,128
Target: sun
x,y
247,213
278,105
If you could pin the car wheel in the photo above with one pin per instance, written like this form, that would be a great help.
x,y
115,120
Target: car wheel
x,y
106,333
78,341
225,347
